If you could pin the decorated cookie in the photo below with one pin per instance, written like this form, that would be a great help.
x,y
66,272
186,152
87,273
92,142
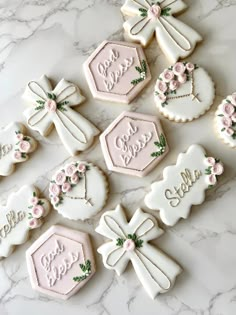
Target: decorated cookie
x,y
184,184
117,71
78,190
15,147
184,92
226,120
134,144
129,241
50,107
149,18
60,262
23,212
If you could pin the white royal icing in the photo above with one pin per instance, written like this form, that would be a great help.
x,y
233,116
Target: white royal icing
x,y
50,107
129,241
176,39
184,184
15,147
24,211
226,120
188,95
78,190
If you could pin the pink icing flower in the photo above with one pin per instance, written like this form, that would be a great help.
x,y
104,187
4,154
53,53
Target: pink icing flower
x,y
179,68
24,146
228,109
129,245
60,178
229,131
70,170
74,179
161,87
17,155
211,161
38,211
233,99
218,169
54,189
66,187
19,136
226,122
55,200
154,12
174,85
161,97
34,223
182,78
82,168
50,106
190,67
167,75
34,201
233,117
212,179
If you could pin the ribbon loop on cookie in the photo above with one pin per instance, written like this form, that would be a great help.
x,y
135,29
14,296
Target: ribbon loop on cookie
x,y
129,242
175,38
53,107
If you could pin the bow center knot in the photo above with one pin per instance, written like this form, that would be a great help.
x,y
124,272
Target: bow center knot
x,y
129,245
154,12
51,106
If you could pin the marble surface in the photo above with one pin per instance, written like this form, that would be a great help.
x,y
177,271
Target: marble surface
x,y
55,37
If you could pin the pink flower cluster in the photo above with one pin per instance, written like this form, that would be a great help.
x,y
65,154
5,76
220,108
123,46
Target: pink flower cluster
x,y
64,181
23,146
216,169
37,211
171,79
228,110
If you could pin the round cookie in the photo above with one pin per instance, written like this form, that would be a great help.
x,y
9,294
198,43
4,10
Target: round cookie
x,y
184,92
226,120
73,192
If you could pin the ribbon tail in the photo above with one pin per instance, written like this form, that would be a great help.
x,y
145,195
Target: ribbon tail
x,y
38,120
176,39
155,270
76,132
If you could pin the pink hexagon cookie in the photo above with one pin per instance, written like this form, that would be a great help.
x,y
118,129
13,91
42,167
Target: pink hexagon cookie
x,y
133,144
60,262
117,71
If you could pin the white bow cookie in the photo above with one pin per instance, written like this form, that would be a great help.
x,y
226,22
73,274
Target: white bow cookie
x,y
50,107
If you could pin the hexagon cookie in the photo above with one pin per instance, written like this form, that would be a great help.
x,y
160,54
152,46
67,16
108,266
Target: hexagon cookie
x,y
60,262
117,71
133,144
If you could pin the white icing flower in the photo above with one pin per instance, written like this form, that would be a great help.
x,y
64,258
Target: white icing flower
x,y
70,170
81,168
179,68
218,169
38,211
34,201
161,86
161,97
211,161
54,189
60,178
226,122
74,179
233,117
227,109
17,155
167,75
174,85
34,223
24,146
50,106
212,180
190,66
19,136
154,12
55,200
182,78
66,187
229,131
